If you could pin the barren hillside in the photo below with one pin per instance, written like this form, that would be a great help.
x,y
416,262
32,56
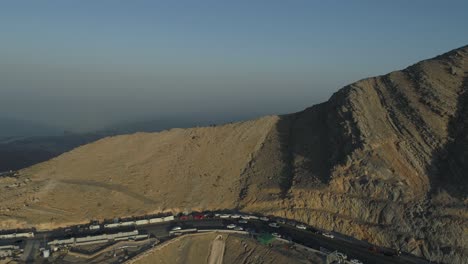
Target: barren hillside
x,y
176,170
385,159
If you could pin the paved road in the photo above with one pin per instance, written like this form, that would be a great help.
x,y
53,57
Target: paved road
x,y
307,238
161,231
30,250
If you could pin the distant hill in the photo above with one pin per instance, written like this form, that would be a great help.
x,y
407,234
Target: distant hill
x,y
23,150
383,160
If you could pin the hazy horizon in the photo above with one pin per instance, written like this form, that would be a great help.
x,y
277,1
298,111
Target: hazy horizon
x,y
85,65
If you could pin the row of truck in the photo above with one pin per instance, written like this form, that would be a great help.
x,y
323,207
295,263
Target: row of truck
x,y
17,235
135,223
273,222
97,239
99,226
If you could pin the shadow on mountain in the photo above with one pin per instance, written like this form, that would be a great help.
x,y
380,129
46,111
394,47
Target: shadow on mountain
x,y
316,140
304,148
449,167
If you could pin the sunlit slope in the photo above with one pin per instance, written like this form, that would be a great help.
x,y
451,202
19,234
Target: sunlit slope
x,y
179,169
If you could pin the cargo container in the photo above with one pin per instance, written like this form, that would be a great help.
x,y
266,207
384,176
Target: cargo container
x,y
112,225
128,223
17,235
142,222
91,238
9,247
156,220
58,242
122,234
168,218
91,242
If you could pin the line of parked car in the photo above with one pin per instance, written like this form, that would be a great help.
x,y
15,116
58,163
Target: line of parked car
x,y
243,219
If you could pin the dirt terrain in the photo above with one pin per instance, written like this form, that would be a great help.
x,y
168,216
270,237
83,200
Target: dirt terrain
x,y
218,247
224,249
384,160
189,249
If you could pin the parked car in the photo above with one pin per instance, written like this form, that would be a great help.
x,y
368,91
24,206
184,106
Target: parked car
x,y
235,216
328,235
243,221
281,221
253,217
225,216
276,235
184,217
356,261
301,226
239,228
275,225
264,218
175,228
198,217
231,226
208,215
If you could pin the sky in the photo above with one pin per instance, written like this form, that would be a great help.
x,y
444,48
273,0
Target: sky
x,y
83,65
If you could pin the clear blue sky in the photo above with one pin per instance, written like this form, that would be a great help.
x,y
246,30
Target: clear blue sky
x,y
84,64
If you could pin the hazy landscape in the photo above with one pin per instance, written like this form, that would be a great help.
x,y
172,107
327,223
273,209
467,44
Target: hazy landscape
x,y
234,133
371,163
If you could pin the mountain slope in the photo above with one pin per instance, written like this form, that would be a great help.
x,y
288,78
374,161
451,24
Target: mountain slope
x,y
383,160
176,169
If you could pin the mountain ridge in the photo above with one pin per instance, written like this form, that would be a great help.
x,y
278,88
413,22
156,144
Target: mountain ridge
x,y
382,160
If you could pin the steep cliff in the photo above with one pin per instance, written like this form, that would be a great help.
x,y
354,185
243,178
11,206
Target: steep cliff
x,y
385,159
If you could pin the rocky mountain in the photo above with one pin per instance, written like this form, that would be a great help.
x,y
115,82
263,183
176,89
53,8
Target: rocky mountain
x,y
384,160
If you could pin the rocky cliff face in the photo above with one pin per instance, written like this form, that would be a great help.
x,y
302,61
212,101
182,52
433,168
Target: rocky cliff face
x,y
385,160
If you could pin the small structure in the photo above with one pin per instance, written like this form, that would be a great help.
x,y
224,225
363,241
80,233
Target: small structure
x,y
46,253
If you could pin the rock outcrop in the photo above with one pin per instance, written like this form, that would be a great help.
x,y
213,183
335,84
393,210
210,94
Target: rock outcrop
x,y
385,160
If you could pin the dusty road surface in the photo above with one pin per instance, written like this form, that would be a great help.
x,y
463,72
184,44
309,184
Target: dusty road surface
x,y
217,250
193,248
